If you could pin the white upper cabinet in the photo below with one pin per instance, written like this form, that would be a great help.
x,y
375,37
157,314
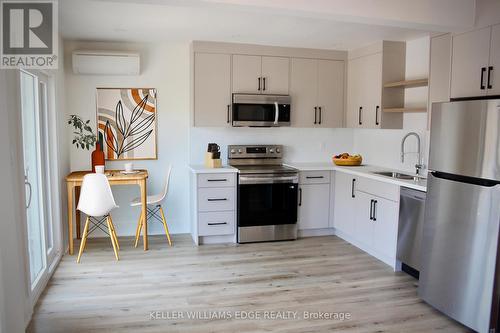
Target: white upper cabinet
x,y
212,89
260,74
275,75
494,68
368,70
317,92
331,93
470,63
247,76
475,59
304,92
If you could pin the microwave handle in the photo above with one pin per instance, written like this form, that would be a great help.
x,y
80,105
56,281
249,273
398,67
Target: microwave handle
x,y
276,113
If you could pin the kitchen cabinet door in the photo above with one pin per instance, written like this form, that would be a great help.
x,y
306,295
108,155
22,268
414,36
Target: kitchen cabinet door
x,y
495,61
247,74
344,199
212,89
330,93
304,92
372,91
385,226
354,92
363,231
314,206
275,75
469,63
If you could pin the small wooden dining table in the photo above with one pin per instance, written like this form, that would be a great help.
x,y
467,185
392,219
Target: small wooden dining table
x,y
115,177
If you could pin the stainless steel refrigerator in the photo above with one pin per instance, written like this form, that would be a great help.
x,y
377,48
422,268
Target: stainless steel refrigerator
x,y
459,257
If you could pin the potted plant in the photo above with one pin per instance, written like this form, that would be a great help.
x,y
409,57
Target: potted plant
x,y
84,138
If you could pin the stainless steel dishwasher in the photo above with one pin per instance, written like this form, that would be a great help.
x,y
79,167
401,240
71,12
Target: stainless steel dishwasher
x,y
411,220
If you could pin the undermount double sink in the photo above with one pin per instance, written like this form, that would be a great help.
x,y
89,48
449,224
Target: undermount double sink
x,y
398,175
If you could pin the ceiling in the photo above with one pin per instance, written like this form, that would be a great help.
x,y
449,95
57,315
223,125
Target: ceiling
x,y
186,20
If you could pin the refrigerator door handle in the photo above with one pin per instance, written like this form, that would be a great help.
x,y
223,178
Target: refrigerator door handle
x,y
465,179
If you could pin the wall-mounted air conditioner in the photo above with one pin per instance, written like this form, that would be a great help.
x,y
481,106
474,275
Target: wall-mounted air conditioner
x,y
106,63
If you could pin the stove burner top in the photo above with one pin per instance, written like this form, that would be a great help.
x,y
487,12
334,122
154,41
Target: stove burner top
x,y
265,169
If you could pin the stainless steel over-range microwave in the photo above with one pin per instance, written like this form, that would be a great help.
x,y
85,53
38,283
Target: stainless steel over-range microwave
x,y
254,110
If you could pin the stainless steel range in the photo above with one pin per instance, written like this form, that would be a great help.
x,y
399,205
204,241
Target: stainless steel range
x,y
267,193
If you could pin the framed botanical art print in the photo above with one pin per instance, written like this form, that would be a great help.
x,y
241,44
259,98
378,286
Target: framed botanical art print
x,y
127,123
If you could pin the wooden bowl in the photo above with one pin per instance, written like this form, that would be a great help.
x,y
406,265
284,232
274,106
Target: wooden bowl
x,y
347,161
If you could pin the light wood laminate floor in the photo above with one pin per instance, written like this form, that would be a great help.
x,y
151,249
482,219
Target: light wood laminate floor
x,y
306,276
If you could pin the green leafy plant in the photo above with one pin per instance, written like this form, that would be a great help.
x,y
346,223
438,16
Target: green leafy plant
x,y
83,136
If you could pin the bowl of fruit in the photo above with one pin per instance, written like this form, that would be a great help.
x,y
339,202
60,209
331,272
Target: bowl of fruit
x,y
345,159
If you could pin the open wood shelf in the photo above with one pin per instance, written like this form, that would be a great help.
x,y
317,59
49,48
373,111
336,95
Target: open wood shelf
x,y
407,83
405,109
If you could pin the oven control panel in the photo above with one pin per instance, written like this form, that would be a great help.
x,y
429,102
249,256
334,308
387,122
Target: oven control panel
x,y
255,151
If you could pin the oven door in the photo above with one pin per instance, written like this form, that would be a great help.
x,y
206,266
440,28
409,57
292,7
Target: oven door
x,y
260,110
267,208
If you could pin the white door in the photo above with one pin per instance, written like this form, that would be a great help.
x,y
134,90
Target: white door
x,y
494,68
330,93
314,205
212,89
247,74
469,65
385,230
363,224
41,240
344,203
304,92
275,75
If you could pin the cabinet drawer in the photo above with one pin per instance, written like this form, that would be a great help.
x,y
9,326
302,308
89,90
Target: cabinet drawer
x,y
377,188
217,180
216,223
216,199
314,177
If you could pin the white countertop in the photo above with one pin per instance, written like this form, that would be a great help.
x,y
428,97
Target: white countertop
x,y
363,171
203,169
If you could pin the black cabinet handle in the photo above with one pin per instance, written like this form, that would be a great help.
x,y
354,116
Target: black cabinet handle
x,y
314,177
264,84
374,210
371,209
489,77
483,69
217,223
315,115
217,199
320,114
359,115
376,115
259,84
352,188
300,197
217,180
228,112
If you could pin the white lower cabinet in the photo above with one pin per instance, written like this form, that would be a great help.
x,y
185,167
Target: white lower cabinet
x,y
344,204
366,214
314,203
213,200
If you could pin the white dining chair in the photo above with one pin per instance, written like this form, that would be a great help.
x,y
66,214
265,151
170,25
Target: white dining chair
x,y
96,200
152,212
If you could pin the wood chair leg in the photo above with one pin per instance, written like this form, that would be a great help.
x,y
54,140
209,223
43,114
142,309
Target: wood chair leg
x,y
84,239
138,231
114,232
165,226
112,238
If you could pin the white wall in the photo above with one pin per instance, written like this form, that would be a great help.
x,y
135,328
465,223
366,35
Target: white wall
x,y
383,147
166,68
301,144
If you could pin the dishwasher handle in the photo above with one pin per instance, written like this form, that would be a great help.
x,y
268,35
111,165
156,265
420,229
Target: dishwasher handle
x,y
414,194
